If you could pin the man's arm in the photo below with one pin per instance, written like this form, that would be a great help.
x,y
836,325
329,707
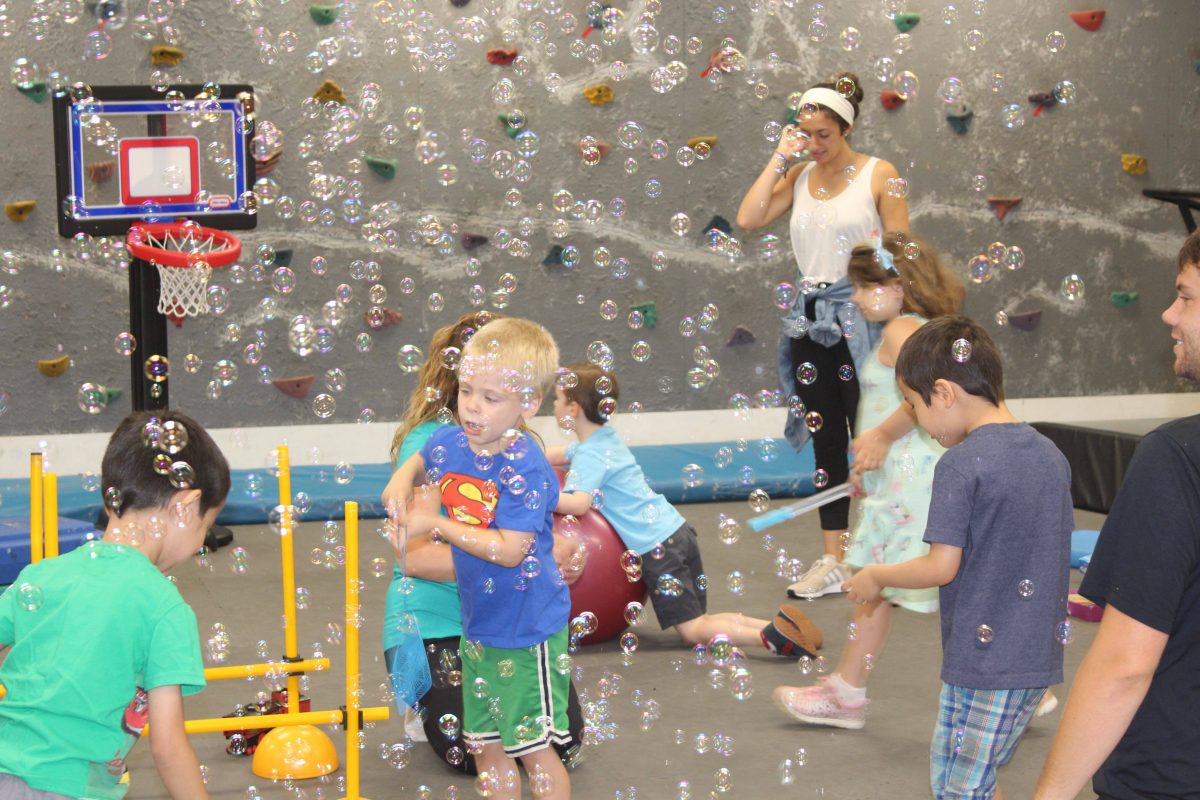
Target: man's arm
x,y
1109,687
173,755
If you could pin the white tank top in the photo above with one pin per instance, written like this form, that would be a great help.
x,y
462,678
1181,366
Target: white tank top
x,y
824,233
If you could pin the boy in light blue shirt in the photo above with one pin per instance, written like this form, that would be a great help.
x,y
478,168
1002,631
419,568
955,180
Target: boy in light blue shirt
x,y
604,473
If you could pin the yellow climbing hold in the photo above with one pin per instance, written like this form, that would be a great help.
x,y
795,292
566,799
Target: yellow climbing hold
x,y
19,210
711,141
165,55
598,94
330,91
1133,164
53,367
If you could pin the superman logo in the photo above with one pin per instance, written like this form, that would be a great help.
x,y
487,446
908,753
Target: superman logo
x,y
468,499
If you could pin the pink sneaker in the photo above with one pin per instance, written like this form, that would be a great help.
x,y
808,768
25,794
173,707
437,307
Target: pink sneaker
x,y
820,705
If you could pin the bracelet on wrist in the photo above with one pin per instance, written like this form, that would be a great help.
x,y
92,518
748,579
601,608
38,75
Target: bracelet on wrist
x,y
781,168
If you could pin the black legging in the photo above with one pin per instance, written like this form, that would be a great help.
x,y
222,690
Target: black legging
x,y
445,697
836,400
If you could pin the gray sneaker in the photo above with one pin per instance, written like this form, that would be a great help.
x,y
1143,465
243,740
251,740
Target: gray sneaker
x,y
825,576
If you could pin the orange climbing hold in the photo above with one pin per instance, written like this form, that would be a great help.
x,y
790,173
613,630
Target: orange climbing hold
x,y
1088,20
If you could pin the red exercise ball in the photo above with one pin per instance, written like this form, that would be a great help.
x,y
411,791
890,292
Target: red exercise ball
x,y
603,588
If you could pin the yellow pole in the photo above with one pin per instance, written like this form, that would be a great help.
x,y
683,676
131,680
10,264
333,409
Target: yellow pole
x,y
50,503
332,717
252,671
289,574
36,520
352,676
256,670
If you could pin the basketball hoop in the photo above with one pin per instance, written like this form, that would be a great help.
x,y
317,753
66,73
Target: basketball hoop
x,y
185,254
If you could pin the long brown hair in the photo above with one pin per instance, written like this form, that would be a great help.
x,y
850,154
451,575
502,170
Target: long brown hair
x,y
437,383
930,288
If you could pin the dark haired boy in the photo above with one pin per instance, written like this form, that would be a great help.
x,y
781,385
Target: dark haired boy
x,y
601,465
102,643
1000,521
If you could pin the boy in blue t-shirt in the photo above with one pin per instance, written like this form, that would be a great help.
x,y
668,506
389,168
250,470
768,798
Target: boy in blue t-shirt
x,y
602,467
499,493
102,643
999,530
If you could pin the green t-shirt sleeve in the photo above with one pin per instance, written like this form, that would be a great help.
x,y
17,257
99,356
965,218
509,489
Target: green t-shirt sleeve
x,y
415,440
174,658
7,601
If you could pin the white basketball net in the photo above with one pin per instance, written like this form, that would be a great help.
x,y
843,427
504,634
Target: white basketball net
x,y
182,290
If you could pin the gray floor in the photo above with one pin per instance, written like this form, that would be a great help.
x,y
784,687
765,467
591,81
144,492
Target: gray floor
x,y
889,758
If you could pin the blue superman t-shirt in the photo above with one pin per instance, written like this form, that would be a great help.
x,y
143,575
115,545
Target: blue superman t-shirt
x,y
502,606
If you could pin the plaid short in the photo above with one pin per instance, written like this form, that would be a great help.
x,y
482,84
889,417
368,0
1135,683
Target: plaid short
x,y
977,731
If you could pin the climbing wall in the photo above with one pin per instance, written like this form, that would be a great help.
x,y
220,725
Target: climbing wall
x,y
577,164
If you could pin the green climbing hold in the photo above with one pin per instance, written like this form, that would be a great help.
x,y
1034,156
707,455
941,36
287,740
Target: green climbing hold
x,y
1123,299
112,394
323,14
907,20
649,313
35,91
793,117
508,129
383,167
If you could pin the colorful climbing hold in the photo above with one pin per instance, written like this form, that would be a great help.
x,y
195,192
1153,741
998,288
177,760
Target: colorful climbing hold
x,y
1002,205
34,90
472,241
19,210
323,14
379,317
718,223
53,367
595,20
959,118
1043,100
329,91
509,128
112,394
1026,320
1133,164
695,141
598,94
906,21
649,312
891,99
1123,299
383,167
741,336
501,57
165,55
298,386
1088,20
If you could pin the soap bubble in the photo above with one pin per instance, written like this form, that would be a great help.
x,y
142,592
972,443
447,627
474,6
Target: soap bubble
x,y
1012,116
324,406
92,398
1064,92
29,597
979,269
1072,287
759,501
1056,41
960,350
984,634
1025,588
125,343
806,373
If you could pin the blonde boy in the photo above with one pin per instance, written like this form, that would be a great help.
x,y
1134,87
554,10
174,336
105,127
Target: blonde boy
x,y
499,492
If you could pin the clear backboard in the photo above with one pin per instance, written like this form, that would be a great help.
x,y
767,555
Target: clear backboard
x,y
129,153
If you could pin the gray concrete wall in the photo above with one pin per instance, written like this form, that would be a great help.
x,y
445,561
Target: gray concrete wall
x,y
1137,93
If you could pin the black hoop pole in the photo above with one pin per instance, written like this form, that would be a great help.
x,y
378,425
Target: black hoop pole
x,y
149,329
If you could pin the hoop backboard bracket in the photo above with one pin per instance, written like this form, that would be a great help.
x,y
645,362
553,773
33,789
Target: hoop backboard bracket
x,y
130,154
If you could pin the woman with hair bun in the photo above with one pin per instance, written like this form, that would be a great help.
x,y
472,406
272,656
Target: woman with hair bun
x,y
839,199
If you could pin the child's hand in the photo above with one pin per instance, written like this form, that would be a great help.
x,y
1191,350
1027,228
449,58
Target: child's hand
x,y
862,587
395,499
870,449
424,510
570,554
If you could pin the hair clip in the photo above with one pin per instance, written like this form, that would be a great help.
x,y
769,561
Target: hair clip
x,y
887,260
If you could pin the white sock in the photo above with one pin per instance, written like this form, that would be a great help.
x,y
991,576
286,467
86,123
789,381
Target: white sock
x,y
845,692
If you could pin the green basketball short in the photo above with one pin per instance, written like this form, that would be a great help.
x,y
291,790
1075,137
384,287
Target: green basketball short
x,y
516,697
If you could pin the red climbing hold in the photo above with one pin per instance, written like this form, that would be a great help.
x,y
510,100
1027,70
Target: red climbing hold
x,y
891,99
1003,205
1088,20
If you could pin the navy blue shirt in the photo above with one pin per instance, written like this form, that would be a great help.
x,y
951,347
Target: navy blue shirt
x,y
1003,495
1147,565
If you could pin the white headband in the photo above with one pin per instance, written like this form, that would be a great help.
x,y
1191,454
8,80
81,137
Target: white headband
x,y
830,99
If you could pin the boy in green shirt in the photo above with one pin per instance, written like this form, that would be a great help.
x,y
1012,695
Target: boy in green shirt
x,y
102,643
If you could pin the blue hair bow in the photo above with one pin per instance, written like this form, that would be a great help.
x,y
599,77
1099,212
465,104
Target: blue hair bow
x,y
886,259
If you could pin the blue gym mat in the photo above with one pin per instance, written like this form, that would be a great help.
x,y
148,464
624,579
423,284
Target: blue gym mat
x,y
320,493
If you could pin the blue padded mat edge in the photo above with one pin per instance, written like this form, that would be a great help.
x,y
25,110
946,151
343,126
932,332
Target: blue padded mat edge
x,y
769,464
